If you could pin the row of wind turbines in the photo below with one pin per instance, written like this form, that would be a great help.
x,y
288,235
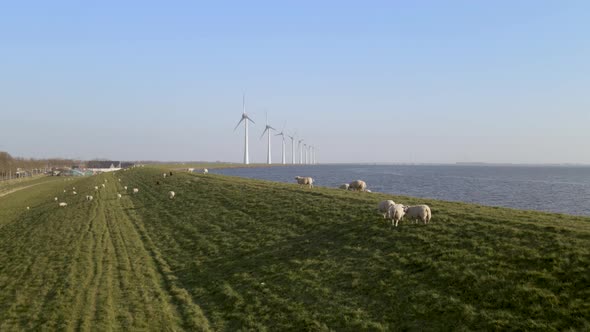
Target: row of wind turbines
x,y
307,158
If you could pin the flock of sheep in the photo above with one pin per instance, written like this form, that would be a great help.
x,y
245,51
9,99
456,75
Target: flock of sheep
x,y
389,209
90,198
171,194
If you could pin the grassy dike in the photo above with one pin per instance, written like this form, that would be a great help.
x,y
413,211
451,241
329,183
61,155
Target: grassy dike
x,y
231,253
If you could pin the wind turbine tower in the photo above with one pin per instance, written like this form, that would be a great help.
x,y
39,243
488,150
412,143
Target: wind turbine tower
x,y
282,133
305,149
245,118
315,157
300,152
292,148
268,128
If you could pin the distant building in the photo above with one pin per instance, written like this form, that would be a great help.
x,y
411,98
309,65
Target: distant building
x,y
100,166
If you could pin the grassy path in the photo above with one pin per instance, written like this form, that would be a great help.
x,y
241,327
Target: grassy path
x,y
84,267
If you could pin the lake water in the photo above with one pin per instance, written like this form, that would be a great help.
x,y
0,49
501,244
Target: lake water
x,y
560,189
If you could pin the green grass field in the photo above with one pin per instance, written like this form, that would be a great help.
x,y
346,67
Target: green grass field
x,y
236,254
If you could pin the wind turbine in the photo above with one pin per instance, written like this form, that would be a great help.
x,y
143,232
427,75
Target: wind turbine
x,y
268,128
245,118
300,152
305,149
282,133
311,155
292,148
315,160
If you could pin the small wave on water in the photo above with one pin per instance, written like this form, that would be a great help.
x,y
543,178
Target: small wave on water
x,y
543,188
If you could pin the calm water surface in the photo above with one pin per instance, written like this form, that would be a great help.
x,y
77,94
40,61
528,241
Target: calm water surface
x,y
544,188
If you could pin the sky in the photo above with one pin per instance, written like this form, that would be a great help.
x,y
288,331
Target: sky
x,y
364,81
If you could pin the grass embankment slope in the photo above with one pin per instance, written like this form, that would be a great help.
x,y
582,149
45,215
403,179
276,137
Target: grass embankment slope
x,y
232,253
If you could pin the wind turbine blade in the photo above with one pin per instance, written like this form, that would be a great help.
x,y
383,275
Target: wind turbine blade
x,y
247,117
263,132
242,119
244,103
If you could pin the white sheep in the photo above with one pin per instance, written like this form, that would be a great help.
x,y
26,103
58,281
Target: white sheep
x,y
103,185
164,175
119,196
383,207
395,213
95,187
73,188
135,190
63,204
65,191
89,198
119,180
75,193
205,171
190,170
55,199
304,180
345,186
421,212
28,208
171,194
358,185
125,187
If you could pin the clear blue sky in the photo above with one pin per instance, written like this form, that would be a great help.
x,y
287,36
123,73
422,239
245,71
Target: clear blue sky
x,y
391,81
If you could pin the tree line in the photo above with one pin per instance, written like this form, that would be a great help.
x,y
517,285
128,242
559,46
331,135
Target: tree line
x,y
9,165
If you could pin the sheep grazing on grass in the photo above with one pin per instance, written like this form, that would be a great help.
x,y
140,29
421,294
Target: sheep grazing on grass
x,y
28,208
119,196
304,180
125,187
418,212
65,191
395,213
119,180
73,188
63,204
103,185
55,199
75,193
205,171
383,207
95,187
135,190
164,175
344,186
358,185
89,198
190,170
171,194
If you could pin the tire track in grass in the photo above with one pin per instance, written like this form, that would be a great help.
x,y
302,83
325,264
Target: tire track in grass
x,y
135,265
193,316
